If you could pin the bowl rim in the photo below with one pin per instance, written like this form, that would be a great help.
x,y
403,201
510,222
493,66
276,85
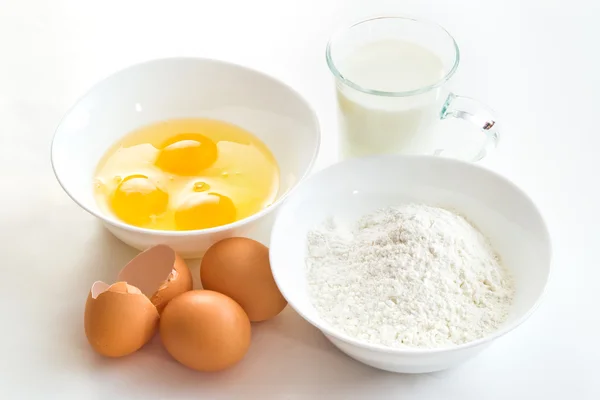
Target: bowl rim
x,y
236,224
325,328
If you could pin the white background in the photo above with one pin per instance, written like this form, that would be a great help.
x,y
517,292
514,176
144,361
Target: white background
x,y
536,62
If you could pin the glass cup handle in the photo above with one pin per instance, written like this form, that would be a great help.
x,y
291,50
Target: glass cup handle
x,y
477,114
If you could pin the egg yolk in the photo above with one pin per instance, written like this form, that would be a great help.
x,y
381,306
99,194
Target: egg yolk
x,y
187,154
137,200
205,210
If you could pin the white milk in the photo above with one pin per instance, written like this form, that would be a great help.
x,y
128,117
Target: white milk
x,y
372,124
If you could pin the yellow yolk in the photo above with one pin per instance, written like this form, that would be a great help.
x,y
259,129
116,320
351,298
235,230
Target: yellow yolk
x,y
187,154
186,174
137,200
204,210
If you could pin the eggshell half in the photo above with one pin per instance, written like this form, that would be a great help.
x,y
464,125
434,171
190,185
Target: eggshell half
x,y
118,319
160,273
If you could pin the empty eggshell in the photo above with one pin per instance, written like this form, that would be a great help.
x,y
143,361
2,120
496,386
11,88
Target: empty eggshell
x,y
118,319
160,273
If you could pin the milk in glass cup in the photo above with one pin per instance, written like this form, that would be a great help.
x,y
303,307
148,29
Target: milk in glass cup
x,y
392,78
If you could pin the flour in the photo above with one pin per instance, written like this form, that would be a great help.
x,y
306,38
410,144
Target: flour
x,y
408,276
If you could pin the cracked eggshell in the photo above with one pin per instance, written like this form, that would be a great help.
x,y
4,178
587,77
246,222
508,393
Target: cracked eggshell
x,y
118,319
160,274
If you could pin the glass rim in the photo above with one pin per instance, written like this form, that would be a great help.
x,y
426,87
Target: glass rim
x,y
338,75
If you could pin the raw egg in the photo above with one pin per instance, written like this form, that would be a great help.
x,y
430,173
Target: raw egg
x,y
205,330
137,198
204,210
119,319
186,174
239,268
187,154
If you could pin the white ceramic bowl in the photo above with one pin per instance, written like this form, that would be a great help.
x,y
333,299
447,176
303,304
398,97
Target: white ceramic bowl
x,y
177,88
352,188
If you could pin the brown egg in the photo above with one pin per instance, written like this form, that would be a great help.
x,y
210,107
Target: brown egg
x,y
205,330
118,319
240,268
160,273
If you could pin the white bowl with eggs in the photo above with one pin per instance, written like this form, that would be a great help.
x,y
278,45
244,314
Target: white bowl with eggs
x,y
167,89
353,188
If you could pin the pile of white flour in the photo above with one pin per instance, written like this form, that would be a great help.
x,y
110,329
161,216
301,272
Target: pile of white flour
x,y
411,275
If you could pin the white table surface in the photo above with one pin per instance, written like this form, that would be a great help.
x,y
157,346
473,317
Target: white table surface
x,y
536,62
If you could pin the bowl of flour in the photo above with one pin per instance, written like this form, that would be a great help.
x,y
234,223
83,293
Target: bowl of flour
x,y
411,263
